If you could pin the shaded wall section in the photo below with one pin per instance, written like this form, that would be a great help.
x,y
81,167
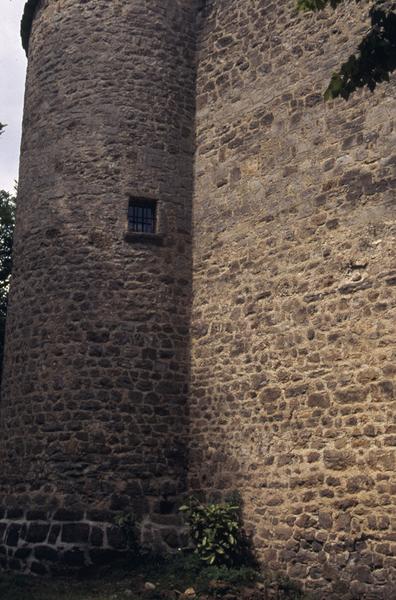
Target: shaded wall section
x,y
292,399
94,407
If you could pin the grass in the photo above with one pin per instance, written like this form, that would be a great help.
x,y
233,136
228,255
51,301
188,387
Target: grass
x,y
125,582
27,588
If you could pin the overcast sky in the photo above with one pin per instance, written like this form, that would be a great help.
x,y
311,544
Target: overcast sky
x,y
12,81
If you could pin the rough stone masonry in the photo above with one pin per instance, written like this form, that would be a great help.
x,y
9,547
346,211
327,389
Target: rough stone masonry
x,y
249,345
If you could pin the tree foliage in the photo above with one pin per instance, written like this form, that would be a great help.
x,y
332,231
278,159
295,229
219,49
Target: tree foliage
x,y
7,223
375,58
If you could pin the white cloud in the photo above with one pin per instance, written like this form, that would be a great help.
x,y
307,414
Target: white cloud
x,y
12,82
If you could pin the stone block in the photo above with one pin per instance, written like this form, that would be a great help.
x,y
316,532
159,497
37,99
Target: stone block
x,y
54,533
14,514
46,553
37,533
68,515
96,536
338,460
74,558
13,535
75,533
116,538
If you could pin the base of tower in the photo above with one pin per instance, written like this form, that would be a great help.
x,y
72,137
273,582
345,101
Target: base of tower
x,y
40,542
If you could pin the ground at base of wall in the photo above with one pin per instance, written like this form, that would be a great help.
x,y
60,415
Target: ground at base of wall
x,y
175,579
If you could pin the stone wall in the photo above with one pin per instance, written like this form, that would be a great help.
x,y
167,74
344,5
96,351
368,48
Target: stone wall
x,y
292,399
55,542
93,414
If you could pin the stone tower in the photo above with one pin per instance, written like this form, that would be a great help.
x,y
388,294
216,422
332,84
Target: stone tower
x,y
93,417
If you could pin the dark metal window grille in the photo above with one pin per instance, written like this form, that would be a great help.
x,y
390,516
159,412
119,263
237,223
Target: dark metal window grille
x,y
141,215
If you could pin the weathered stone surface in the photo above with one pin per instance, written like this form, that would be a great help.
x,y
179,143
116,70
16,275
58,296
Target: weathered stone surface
x,y
94,402
74,558
37,532
96,536
68,515
44,553
75,533
38,568
116,538
13,533
293,322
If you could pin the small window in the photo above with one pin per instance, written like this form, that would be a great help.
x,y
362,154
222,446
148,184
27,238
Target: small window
x,y
142,215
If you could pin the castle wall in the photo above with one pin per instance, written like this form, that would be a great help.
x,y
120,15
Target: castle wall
x,y
292,399
93,414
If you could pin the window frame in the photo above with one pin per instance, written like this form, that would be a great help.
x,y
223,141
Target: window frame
x,y
146,222
140,236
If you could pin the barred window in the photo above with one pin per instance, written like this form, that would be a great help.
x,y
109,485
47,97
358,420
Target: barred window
x,y
142,215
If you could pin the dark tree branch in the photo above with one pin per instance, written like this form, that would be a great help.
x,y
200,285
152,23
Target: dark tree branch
x,y
375,58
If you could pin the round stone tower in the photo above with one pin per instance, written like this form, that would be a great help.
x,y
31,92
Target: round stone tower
x,y
93,409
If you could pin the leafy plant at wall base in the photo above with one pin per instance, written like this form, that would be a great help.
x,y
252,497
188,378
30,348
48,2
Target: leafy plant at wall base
x,y
216,532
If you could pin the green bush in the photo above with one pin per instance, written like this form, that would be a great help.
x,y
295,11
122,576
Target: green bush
x,y
216,532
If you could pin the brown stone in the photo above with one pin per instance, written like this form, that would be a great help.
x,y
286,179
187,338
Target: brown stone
x,y
269,394
325,520
338,459
318,400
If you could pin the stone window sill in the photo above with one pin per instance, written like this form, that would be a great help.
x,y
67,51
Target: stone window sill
x,y
154,239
